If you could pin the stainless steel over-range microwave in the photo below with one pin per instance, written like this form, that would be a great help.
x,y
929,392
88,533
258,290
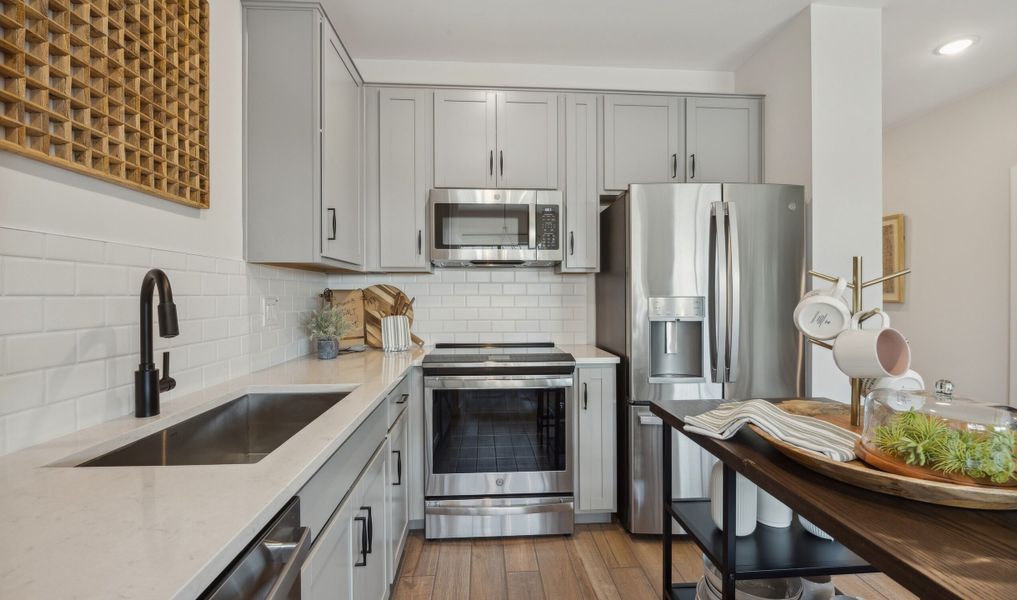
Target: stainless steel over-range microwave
x,y
495,228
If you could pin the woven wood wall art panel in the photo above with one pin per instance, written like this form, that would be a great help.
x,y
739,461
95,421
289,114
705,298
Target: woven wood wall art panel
x,y
116,89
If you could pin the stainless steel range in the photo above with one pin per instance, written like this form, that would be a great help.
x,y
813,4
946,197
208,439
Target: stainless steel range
x,y
498,429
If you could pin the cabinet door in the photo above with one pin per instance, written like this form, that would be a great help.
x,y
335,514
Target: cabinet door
x,y
596,434
527,140
398,475
404,150
415,445
327,573
341,205
370,582
582,200
723,140
642,140
464,139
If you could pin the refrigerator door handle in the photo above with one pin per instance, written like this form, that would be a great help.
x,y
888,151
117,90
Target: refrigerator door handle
x,y
734,288
718,307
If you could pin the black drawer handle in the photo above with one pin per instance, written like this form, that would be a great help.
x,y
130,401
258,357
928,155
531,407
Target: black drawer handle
x,y
586,396
403,400
363,542
370,529
399,467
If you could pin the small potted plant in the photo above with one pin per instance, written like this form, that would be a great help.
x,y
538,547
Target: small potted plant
x,y
326,327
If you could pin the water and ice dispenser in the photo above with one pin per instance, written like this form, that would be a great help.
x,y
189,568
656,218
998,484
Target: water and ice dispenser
x,y
677,339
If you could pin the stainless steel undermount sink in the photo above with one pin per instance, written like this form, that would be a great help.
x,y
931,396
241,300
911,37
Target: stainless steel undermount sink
x,y
241,431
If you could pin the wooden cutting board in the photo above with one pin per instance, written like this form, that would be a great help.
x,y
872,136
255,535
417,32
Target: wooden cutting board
x,y
382,301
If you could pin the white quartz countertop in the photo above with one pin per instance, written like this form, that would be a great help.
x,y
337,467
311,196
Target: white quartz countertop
x,y
169,531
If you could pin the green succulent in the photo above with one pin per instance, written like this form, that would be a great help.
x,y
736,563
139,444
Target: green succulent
x,y
927,440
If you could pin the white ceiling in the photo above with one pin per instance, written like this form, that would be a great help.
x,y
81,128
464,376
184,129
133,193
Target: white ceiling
x,y
712,35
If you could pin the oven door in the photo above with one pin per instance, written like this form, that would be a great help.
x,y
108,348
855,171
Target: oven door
x,y
498,435
483,226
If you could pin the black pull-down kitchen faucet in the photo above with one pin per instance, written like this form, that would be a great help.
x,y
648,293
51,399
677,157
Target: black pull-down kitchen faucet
x,y
147,383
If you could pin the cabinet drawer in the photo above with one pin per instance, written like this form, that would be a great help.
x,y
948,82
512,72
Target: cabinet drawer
x,y
397,400
321,495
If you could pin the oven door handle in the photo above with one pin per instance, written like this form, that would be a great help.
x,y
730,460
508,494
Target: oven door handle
x,y
437,508
486,382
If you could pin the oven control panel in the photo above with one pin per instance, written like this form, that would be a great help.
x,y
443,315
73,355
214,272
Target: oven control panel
x,y
548,227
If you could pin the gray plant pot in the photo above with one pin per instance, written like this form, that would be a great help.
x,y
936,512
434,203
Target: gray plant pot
x,y
328,349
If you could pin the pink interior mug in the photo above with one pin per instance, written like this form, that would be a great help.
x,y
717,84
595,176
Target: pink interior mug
x,y
882,352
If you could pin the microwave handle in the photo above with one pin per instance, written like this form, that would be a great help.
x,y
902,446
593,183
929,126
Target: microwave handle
x,y
533,226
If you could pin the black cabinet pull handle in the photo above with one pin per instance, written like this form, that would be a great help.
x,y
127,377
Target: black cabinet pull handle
x,y
363,542
674,166
420,242
403,399
501,162
370,528
572,243
399,467
490,163
332,236
692,165
586,396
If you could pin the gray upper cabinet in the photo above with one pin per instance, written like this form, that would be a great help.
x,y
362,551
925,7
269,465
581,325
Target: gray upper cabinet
x,y
723,140
582,198
527,138
495,139
464,138
404,174
302,140
643,140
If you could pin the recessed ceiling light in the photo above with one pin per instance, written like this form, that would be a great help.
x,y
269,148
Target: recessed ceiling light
x,y
956,46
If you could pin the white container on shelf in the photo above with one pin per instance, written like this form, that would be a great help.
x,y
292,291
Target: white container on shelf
x,y
772,512
745,496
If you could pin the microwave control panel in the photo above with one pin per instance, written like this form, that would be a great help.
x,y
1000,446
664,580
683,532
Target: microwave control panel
x,y
548,226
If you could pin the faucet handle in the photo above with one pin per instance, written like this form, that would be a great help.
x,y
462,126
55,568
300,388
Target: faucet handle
x,y
166,383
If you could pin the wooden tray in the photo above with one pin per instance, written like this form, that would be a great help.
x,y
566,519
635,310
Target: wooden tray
x,y
859,474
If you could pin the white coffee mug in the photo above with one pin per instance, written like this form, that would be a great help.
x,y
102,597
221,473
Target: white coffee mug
x,y
882,352
772,512
910,381
823,314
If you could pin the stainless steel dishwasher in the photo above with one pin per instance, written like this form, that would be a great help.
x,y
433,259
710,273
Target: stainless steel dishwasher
x,y
269,569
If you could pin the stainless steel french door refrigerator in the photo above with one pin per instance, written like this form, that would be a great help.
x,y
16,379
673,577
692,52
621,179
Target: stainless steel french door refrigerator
x,y
697,286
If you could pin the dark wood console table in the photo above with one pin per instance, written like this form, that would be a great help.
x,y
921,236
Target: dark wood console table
x,y
934,551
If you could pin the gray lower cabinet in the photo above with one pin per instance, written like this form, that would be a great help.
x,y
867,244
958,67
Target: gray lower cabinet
x,y
302,140
643,140
723,140
349,558
398,506
582,197
596,435
404,129
485,139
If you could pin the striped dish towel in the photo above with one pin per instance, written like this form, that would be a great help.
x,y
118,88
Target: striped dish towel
x,y
836,443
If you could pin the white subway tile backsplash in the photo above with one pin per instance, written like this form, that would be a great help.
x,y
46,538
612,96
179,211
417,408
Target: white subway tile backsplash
x,y
26,276
69,333
20,315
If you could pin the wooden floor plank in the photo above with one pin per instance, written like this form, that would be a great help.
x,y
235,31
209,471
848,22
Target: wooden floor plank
x,y
519,555
414,588
886,586
688,559
427,562
618,543
647,550
487,570
556,574
452,578
525,585
586,557
586,589
853,585
632,584
411,555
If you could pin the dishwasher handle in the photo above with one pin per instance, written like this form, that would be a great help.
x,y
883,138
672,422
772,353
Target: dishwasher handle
x,y
290,573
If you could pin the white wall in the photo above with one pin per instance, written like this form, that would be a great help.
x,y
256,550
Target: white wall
x,y
948,172
38,197
822,75
551,76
